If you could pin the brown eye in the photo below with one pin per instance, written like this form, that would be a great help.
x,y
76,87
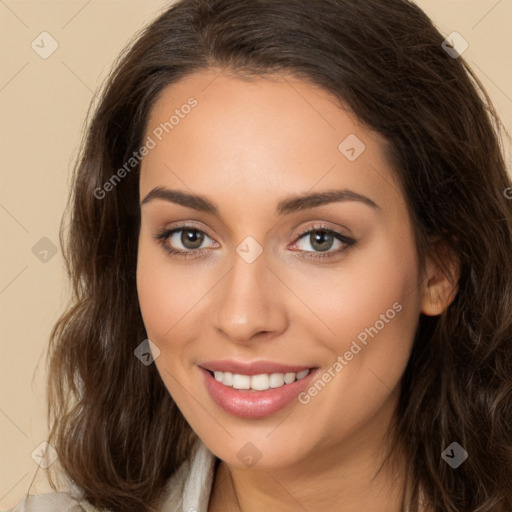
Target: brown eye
x,y
321,240
183,241
193,237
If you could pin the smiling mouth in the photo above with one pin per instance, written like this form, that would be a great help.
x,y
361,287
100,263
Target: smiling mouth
x,y
257,395
260,382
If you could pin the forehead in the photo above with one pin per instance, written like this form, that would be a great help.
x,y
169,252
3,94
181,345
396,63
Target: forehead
x,y
275,134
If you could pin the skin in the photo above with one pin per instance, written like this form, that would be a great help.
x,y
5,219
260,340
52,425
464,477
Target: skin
x,y
246,146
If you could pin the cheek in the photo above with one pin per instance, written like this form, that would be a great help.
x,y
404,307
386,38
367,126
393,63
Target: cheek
x,y
155,288
370,305
150,291
378,319
162,308
170,296
352,295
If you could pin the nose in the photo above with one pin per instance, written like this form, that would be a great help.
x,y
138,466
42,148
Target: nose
x,y
250,303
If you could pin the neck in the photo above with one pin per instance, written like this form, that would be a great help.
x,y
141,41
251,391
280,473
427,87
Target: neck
x,y
349,477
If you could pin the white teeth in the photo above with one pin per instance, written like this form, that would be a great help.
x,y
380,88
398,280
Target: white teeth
x,y
289,377
227,379
241,381
260,382
276,380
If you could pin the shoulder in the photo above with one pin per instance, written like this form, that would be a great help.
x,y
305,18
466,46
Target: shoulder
x,y
52,502
187,489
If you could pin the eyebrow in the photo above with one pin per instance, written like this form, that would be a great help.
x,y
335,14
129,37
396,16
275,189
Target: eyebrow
x,y
284,207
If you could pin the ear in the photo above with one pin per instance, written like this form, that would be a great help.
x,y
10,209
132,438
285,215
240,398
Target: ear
x,y
441,279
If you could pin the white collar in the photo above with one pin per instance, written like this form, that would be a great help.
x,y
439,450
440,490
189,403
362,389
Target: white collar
x,y
189,488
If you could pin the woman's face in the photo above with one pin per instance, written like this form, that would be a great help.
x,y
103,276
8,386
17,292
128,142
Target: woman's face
x,y
277,276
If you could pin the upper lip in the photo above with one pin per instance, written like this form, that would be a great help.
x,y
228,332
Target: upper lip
x,y
252,367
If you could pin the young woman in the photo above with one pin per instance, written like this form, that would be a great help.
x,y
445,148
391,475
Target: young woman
x,y
290,245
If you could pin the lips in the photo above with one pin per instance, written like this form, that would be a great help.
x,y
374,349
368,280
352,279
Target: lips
x,y
252,404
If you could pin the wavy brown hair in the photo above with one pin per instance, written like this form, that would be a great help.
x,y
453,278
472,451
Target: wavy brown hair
x,y
118,433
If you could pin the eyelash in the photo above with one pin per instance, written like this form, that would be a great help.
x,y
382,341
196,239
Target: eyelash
x,y
163,235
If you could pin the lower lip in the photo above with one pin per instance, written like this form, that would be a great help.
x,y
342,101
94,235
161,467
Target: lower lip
x,y
254,404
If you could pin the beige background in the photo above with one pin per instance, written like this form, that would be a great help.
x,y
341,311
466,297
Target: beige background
x,y
43,104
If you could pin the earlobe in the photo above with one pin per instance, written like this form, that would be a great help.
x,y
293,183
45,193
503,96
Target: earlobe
x,y
441,283
437,298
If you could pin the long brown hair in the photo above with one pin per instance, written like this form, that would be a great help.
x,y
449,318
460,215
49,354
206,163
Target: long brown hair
x,y
117,431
